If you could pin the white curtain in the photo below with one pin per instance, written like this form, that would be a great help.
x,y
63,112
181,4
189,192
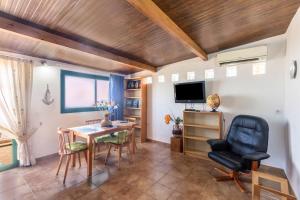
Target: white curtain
x,y
15,99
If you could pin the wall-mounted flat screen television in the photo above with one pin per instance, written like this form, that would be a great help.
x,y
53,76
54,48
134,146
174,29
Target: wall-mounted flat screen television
x,y
190,92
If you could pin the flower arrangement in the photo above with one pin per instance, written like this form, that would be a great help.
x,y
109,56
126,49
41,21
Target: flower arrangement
x,y
177,129
105,105
176,120
110,107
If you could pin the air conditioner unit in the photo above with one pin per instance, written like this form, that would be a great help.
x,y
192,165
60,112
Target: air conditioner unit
x,y
254,54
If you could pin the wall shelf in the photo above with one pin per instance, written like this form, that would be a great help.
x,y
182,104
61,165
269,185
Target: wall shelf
x,y
196,153
132,116
133,108
133,97
203,126
133,89
198,127
138,113
200,138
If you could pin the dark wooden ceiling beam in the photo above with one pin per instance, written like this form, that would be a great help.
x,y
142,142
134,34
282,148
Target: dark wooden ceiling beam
x,y
24,27
149,9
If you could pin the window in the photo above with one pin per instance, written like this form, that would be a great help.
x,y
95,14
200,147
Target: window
x,y
80,92
209,74
175,77
161,78
231,71
190,75
148,80
259,68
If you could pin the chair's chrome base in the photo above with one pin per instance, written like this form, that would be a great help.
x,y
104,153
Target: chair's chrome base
x,y
230,176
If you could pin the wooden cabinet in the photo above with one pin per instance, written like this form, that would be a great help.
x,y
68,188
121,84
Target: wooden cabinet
x,y
198,127
135,105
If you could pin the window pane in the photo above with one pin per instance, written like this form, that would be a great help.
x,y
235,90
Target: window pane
x,y
161,78
79,92
175,77
259,68
190,75
148,80
209,74
231,71
102,90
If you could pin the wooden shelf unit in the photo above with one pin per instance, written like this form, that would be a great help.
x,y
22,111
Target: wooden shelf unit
x,y
139,113
132,116
198,127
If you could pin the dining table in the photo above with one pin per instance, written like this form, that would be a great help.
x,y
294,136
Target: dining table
x,y
90,131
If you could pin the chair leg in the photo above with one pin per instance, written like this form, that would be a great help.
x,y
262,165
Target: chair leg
x,y
74,159
135,145
79,159
222,171
239,184
120,155
85,156
129,152
95,146
230,176
59,164
223,178
108,153
67,167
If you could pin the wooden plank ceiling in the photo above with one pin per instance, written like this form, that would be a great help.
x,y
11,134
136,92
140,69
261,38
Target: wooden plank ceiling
x,y
129,36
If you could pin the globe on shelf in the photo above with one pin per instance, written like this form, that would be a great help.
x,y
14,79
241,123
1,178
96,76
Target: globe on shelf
x,y
213,101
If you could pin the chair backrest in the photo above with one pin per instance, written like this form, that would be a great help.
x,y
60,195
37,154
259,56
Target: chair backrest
x,y
248,134
124,136
64,139
93,121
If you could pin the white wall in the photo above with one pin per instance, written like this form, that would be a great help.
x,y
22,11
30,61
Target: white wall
x,y
260,95
45,140
292,108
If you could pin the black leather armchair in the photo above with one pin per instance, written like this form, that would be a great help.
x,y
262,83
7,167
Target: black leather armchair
x,y
245,146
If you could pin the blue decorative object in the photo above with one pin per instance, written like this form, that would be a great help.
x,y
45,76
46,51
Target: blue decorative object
x,y
116,94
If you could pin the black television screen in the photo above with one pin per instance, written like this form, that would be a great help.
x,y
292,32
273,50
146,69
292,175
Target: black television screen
x,y
192,92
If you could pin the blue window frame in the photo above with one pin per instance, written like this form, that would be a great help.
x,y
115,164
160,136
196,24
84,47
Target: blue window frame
x,y
91,78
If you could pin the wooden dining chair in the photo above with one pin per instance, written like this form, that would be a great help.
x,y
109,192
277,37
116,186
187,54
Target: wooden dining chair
x,y
133,120
69,148
98,141
119,140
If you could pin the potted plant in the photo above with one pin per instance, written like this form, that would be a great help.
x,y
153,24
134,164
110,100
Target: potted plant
x,y
177,129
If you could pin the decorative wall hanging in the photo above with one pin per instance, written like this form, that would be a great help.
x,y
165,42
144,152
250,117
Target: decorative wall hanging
x,y
47,98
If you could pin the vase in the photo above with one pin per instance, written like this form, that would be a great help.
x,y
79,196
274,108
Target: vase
x,y
177,130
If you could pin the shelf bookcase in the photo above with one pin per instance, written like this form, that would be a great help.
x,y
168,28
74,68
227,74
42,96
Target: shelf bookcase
x,y
198,127
139,113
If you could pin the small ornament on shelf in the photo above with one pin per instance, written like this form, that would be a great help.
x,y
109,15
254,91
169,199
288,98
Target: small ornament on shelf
x,y
213,101
134,84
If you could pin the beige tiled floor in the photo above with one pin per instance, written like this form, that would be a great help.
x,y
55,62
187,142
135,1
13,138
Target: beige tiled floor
x,y
155,173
